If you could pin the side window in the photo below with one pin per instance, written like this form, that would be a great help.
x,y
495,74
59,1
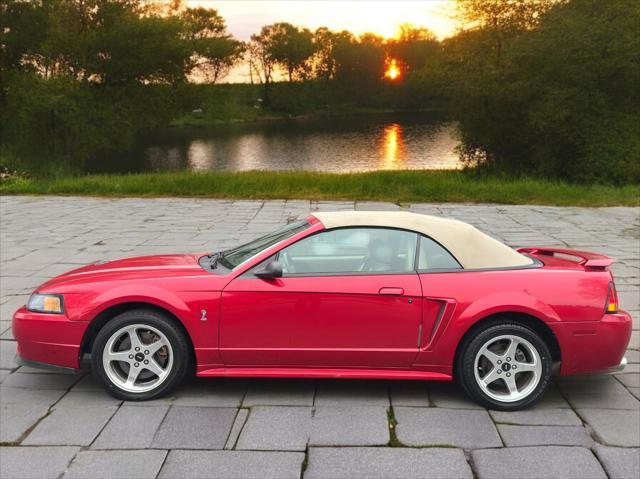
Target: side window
x,y
434,256
351,250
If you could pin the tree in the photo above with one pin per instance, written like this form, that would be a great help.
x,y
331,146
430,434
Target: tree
x,y
79,78
129,48
290,47
261,61
413,46
503,19
214,52
324,62
504,15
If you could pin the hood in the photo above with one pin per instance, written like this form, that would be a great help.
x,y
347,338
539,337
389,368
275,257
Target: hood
x,y
153,262
139,267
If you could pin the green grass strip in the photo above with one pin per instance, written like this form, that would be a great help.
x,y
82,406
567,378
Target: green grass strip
x,y
391,186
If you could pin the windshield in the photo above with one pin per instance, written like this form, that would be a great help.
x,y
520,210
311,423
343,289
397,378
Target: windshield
x,y
236,256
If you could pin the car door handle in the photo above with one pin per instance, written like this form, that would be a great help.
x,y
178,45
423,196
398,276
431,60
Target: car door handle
x,y
392,291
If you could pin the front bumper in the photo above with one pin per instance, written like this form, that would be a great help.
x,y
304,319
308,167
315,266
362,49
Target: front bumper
x,y
45,366
51,339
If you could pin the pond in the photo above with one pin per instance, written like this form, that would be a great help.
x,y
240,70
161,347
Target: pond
x,y
336,144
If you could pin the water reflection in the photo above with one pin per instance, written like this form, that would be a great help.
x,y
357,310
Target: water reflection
x,y
393,148
199,154
344,144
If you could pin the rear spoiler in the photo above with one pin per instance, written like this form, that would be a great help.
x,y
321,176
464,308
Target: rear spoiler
x,y
587,259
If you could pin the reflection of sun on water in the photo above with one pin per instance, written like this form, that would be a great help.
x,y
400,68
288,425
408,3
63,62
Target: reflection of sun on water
x,y
200,155
393,147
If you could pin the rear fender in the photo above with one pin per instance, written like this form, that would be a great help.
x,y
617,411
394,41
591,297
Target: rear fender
x,y
441,355
498,303
516,302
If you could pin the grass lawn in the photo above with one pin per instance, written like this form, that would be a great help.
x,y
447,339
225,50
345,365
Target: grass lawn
x,y
392,186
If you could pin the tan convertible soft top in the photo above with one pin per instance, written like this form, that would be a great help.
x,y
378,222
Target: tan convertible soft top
x,y
471,247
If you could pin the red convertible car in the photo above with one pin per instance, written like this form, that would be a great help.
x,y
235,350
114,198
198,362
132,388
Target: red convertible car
x,y
391,295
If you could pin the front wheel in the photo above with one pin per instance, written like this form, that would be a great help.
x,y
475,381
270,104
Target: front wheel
x,y
140,355
505,366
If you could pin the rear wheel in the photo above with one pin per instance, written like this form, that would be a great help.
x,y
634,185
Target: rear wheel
x,y
505,366
140,355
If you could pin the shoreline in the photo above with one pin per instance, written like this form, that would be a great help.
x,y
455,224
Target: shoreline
x,y
189,120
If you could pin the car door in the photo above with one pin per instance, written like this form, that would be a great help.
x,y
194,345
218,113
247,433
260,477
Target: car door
x,y
437,269
348,298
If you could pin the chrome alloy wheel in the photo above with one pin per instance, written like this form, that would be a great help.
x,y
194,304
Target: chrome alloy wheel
x,y
507,368
137,358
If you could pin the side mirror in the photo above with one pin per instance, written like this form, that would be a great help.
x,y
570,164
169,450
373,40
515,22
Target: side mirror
x,y
272,269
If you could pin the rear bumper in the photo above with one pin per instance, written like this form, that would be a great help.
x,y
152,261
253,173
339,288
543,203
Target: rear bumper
x,y
594,346
48,339
618,368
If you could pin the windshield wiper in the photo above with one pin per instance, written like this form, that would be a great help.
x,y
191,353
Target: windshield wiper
x,y
215,258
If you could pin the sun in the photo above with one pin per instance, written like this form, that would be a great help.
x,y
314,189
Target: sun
x,y
393,71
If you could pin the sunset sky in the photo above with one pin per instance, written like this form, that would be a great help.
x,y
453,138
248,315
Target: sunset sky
x,y
382,17
246,17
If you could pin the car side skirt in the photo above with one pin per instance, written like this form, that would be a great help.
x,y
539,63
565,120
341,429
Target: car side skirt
x,y
324,373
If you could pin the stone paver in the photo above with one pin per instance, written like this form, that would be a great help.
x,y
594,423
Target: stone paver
x,y
70,426
614,427
352,393
116,465
247,428
538,417
604,392
550,462
17,419
629,380
232,465
448,396
21,409
544,435
620,463
415,393
75,399
276,429
7,353
131,428
195,428
35,462
350,426
467,429
40,381
214,393
238,424
280,393
383,463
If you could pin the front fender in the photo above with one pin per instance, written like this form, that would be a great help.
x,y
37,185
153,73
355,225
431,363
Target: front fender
x,y
143,294
198,312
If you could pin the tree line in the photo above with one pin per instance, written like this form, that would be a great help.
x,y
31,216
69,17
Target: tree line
x,y
538,87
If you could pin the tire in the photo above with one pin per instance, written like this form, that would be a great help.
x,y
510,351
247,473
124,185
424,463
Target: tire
x,y
488,373
159,363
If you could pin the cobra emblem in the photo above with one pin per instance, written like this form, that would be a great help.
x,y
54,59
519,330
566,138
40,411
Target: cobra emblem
x,y
204,315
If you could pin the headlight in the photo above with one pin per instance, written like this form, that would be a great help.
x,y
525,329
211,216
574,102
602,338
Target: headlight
x,y
45,303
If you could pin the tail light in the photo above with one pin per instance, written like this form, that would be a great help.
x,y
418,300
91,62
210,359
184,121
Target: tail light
x,y
612,299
